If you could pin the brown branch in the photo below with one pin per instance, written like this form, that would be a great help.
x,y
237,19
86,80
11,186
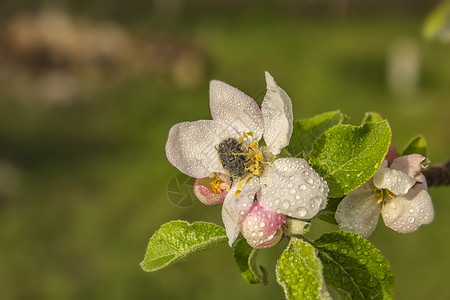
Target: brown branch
x,y
438,174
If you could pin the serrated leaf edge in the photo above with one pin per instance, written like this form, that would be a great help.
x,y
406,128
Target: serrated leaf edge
x,y
194,249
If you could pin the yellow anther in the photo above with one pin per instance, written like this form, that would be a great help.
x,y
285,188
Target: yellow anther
x,y
389,193
237,192
250,133
215,184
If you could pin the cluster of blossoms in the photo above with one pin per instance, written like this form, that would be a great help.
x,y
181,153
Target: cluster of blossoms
x,y
259,190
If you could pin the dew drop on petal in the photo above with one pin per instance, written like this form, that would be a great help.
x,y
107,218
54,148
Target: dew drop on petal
x,y
302,212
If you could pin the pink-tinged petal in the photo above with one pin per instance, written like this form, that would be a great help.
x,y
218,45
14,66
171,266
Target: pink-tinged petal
x,y
191,146
406,214
261,228
359,211
231,106
206,194
421,182
291,187
394,180
236,205
392,154
409,164
278,117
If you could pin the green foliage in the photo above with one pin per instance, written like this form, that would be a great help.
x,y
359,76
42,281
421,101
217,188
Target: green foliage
x,y
346,156
245,257
354,266
372,117
306,131
417,145
299,272
176,240
437,21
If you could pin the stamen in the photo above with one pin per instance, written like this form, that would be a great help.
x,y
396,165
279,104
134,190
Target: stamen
x,y
380,193
216,185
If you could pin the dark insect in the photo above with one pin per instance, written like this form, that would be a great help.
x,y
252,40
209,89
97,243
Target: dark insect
x,y
231,157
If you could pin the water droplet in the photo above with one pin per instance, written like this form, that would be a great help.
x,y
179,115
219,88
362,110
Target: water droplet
x,y
305,173
310,180
277,201
411,219
303,187
293,191
285,204
261,233
381,275
302,212
262,224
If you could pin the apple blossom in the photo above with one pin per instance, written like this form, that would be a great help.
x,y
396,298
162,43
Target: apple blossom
x,y
398,191
230,165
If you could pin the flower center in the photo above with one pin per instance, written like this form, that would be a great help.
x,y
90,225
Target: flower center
x,y
232,162
381,193
240,156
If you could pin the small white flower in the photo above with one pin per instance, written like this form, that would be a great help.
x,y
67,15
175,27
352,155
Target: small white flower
x,y
229,144
399,192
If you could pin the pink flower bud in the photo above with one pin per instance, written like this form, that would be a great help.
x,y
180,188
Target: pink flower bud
x,y
261,228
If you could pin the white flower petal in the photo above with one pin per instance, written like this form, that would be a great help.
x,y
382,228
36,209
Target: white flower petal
x,y
394,180
278,117
235,207
235,108
191,146
406,214
291,187
359,211
408,164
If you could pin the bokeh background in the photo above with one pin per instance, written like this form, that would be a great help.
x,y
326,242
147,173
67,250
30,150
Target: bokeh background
x,y
90,89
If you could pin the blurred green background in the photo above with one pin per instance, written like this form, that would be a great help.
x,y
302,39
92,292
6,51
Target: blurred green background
x,y
90,89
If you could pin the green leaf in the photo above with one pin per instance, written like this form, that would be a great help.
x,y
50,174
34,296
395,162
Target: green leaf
x,y
354,266
306,131
177,240
437,22
327,214
245,257
417,145
346,156
373,117
299,272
